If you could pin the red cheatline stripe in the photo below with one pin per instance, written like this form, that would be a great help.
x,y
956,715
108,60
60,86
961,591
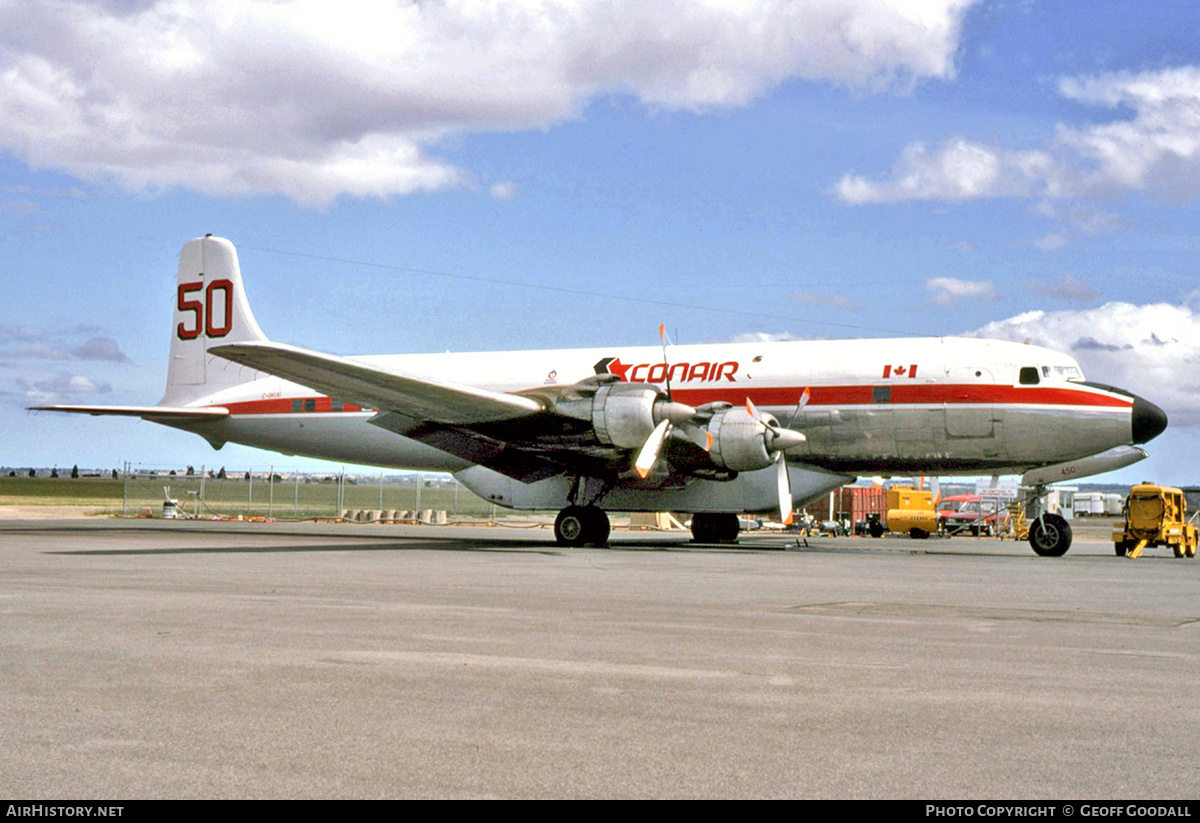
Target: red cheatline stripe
x,y
284,405
901,394
904,394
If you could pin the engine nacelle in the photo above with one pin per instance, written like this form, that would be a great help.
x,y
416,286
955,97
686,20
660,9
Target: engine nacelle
x,y
739,442
624,414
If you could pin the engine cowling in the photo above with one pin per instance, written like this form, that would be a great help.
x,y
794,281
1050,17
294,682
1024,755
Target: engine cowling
x,y
625,414
744,442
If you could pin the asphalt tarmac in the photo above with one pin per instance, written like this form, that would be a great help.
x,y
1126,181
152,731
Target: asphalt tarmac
x,y
254,660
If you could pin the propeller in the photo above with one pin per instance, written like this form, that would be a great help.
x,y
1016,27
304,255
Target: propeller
x,y
669,414
779,440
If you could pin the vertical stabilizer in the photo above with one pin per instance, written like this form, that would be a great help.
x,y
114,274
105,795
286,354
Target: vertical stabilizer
x,y
210,310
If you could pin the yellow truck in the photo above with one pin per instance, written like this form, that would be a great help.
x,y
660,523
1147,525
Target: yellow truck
x,y
1155,516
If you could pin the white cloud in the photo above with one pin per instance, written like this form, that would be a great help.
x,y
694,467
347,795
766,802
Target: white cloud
x,y
763,337
949,291
60,388
1086,219
1152,350
20,333
1051,242
1067,287
957,170
1156,150
100,348
838,301
312,100
36,351
503,191
31,345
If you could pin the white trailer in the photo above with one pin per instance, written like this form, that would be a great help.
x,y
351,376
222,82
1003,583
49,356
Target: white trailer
x,y
1090,504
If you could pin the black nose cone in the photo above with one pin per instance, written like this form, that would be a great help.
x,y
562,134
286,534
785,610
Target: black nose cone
x,y
1148,420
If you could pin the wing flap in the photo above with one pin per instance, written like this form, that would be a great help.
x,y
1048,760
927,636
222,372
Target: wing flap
x,y
513,461
375,387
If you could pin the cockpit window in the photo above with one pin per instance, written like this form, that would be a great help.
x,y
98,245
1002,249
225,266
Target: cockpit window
x,y
1029,376
1061,373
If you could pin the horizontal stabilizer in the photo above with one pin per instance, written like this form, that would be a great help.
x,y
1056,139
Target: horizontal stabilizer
x,y
375,387
176,413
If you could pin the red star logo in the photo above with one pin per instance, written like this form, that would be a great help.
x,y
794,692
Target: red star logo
x,y
618,368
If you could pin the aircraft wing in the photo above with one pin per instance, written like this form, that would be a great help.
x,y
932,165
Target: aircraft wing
x,y
374,387
154,413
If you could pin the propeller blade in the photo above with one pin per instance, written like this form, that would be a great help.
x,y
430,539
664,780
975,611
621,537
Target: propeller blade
x,y
784,484
648,456
805,396
662,338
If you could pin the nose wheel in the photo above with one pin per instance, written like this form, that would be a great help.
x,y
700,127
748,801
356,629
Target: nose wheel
x,y
1050,535
581,526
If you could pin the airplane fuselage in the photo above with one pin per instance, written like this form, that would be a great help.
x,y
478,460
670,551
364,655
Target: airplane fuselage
x,y
946,405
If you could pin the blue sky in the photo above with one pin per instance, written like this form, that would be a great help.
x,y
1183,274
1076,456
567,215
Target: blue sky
x,y
472,176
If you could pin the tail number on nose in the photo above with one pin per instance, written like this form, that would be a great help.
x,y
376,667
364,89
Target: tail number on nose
x,y
213,316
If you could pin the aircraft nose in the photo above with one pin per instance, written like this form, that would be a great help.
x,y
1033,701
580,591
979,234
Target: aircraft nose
x,y
1148,420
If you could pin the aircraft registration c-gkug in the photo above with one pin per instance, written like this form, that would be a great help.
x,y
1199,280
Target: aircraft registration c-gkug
x,y
713,430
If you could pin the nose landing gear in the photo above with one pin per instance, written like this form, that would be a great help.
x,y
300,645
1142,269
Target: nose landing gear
x,y
1050,535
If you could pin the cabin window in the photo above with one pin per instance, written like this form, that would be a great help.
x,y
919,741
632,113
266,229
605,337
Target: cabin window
x,y
336,405
1029,376
881,394
296,406
310,404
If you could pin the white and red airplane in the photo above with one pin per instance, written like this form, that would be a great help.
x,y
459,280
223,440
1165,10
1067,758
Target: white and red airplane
x,y
714,430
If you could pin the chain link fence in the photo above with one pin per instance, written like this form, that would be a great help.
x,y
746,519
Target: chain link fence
x,y
282,494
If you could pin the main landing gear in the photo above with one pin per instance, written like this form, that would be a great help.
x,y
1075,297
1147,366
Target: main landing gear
x,y
578,526
715,528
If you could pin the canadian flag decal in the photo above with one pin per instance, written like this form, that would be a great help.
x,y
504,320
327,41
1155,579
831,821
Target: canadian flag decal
x,y
900,371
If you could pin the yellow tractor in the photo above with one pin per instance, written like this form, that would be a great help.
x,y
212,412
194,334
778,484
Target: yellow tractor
x,y
1155,516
